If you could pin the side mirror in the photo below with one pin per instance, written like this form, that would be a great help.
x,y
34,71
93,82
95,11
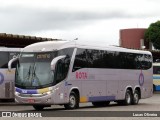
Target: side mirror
x,y
55,60
11,62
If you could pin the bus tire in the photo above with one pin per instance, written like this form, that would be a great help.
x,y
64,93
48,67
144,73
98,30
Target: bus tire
x,y
154,88
128,98
73,101
101,104
136,97
38,107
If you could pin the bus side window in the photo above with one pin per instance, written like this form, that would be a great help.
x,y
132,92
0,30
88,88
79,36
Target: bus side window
x,y
4,60
146,62
62,67
58,73
80,60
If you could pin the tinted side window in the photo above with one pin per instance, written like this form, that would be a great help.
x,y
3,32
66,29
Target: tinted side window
x,y
62,66
131,63
66,61
147,62
80,60
60,71
94,58
100,59
3,59
89,58
143,61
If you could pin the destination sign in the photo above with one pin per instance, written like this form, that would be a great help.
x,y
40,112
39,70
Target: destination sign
x,y
43,56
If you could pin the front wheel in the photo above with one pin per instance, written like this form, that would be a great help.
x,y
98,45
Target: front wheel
x,y
154,88
73,101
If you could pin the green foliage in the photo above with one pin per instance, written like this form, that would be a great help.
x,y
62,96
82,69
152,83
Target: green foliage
x,y
152,34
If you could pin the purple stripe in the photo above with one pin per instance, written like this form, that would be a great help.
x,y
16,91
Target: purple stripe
x,y
102,98
18,90
25,91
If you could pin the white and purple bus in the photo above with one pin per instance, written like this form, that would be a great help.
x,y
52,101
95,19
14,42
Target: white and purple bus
x,y
68,73
7,77
156,76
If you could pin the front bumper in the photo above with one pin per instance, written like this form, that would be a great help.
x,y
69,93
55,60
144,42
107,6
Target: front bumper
x,y
46,99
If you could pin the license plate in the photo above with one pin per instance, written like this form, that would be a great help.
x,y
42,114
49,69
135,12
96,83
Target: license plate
x,y
31,101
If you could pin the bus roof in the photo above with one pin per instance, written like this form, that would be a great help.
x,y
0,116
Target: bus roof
x,y
57,45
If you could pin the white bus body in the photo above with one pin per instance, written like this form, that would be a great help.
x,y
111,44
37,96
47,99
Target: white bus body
x,y
7,77
68,73
156,76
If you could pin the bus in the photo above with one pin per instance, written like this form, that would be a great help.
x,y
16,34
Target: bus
x,y
68,73
7,77
156,76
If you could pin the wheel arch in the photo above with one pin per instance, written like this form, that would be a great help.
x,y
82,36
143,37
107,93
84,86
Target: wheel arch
x,y
128,88
73,99
76,91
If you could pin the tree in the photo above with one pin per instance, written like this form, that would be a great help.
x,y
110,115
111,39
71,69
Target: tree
x,y
152,34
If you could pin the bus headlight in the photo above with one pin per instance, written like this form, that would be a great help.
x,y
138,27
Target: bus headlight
x,y
49,92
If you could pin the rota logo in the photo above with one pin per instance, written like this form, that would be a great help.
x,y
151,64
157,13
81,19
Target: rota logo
x,y
81,75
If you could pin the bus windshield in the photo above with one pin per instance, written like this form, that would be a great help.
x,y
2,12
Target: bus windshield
x,y
33,70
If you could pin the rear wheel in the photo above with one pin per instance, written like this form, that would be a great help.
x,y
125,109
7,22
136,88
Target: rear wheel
x,y
101,104
38,107
128,98
154,88
136,97
73,101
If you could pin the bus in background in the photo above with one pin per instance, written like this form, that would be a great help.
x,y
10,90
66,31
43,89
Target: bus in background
x,y
156,76
7,77
68,73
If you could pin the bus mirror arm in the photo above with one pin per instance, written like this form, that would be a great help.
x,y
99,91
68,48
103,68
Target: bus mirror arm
x,y
55,60
10,63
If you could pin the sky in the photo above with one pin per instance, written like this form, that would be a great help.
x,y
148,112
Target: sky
x,y
91,21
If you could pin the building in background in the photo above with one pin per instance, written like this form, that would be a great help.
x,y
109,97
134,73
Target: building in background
x,y
133,38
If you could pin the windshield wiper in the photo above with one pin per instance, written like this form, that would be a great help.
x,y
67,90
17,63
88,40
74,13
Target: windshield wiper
x,y
28,75
35,79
